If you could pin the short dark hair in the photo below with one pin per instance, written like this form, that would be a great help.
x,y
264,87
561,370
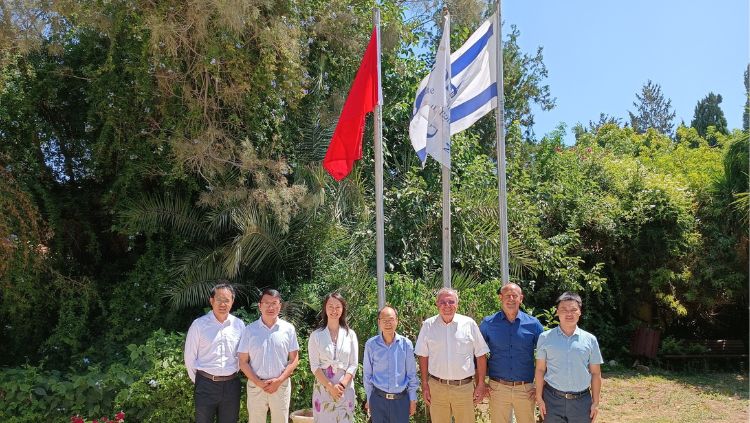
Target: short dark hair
x,y
223,284
569,296
271,293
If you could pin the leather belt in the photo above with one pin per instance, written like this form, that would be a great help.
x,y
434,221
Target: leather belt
x,y
388,395
216,378
567,395
509,382
459,382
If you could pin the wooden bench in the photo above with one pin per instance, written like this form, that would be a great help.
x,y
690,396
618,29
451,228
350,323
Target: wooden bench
x,y
709,349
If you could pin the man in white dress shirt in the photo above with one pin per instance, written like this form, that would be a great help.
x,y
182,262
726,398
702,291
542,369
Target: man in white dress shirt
x,y
211,359
447,346
269,353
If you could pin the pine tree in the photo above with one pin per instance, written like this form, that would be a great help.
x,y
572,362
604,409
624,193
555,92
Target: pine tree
x,y
652,110
708,113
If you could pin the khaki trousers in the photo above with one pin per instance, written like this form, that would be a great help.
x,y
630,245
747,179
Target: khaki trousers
x,y
506,400
448,400
259,402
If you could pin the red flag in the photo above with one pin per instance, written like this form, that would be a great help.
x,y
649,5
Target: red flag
x,y
346,144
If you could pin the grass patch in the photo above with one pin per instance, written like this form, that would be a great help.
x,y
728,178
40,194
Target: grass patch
x,y
660,397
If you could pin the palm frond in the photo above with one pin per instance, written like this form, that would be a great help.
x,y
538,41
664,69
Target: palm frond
x,y
314,142
154,213
349,202
460,280
193,287
313,176
741,204
484,220
260,241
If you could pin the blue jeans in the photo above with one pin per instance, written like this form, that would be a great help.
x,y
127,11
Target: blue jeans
x,y
561,410
217,399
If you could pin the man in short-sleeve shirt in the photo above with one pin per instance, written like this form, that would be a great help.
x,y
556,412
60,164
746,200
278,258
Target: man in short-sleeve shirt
x,y
447,346
269,353
568,368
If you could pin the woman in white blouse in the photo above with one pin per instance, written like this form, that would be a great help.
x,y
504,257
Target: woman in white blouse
x,y
334,357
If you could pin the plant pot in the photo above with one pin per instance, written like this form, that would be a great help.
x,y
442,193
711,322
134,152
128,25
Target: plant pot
x,y
302,416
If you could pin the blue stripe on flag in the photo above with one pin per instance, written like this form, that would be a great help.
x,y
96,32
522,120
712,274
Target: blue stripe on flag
x,y
460,64
418,103
422,154
471,54
470,106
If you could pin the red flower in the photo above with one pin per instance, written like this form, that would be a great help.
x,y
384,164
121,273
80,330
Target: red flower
x,y
95,421
120,416
76,419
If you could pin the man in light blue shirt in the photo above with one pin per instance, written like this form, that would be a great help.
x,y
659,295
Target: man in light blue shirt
x,y
568,368
390,372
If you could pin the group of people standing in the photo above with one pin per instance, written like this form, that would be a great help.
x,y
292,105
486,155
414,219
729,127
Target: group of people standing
x,y
557,370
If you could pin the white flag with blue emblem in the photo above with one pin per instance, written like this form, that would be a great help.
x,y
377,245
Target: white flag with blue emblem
x,y
429,128
473,87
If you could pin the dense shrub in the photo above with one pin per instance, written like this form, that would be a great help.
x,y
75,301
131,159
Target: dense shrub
x,y
32,394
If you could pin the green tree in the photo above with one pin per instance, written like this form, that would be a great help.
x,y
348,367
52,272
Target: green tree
x,y
746,111
652,110
708,113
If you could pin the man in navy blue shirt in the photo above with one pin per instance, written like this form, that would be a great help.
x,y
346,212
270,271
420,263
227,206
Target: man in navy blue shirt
x,y
511,335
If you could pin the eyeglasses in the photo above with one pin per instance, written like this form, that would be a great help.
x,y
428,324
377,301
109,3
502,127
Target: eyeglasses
x,y
270,303
446,302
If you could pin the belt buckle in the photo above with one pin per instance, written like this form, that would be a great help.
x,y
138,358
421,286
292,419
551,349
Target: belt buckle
x,y
569,396
213,378
390,396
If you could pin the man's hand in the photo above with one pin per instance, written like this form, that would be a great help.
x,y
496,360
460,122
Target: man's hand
x,y
412,407
594,411
367,406
480,391
426,394
272,385
261,383
542,407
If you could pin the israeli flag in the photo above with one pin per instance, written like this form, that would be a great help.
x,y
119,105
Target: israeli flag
x,y
473,87
429,128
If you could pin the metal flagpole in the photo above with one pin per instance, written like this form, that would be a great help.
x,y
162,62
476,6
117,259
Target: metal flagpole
x,y
379,237
500,130
446,179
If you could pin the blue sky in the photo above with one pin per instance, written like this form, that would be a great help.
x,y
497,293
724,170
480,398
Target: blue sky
x,y
599,53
